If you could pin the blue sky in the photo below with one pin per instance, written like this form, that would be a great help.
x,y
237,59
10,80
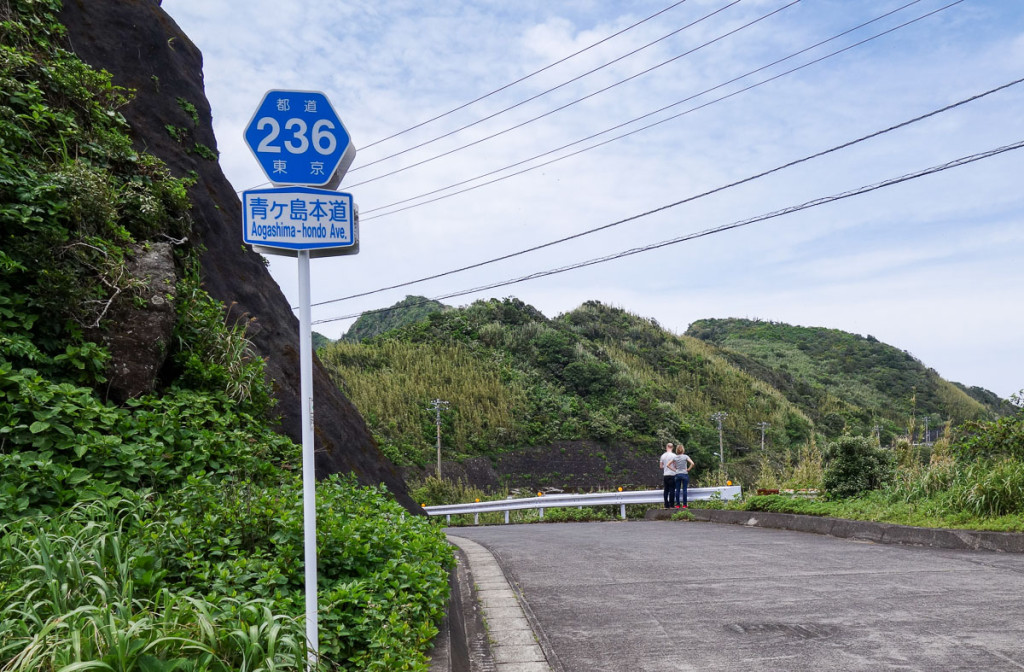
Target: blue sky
x,y
933,266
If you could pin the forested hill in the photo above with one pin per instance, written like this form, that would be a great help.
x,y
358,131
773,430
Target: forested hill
x,y
407,311
842,379
515,379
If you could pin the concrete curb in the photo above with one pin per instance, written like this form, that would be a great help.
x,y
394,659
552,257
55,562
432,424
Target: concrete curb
x,y
487,627
862,530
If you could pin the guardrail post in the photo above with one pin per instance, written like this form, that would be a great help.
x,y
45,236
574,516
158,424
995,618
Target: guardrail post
x,y
449,517
541,510
622,511
476,518
506,517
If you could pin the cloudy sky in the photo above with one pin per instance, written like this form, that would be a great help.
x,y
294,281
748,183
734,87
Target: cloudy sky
x,y
933,265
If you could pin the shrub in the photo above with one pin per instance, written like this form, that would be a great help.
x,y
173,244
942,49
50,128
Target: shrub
x,y
212,351
983,440
784,504
589,376
854,464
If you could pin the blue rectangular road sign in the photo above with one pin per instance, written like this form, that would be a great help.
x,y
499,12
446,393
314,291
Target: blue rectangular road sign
x,y
298,218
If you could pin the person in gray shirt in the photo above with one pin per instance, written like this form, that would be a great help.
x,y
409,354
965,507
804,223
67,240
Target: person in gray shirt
x,y
668,470
682,464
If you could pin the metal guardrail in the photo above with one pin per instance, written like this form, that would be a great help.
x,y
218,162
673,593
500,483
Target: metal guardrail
x,y
593,499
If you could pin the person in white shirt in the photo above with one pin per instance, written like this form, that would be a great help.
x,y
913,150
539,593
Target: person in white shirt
x,y
682,464
668,470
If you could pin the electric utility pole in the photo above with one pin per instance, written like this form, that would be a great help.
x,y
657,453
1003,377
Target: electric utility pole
x,y
718,417
437,405
764,426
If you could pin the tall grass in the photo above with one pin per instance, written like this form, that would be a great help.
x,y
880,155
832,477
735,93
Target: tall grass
x,y
392,384
715,478
809,469
433,491
84,591
991,488
767,476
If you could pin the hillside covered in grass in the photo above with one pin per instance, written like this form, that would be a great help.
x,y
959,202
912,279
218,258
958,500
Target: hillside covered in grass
x,y
515,378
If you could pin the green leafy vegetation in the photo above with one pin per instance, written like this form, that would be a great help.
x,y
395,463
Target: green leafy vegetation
x,y
204,152
177,133
189,109
948,485
205,579
163,533
604,375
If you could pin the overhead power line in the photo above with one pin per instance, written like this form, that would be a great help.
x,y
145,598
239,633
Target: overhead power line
x,y
955,163
573,102
645,116
626,123
552,89
689,199
525,77
510,84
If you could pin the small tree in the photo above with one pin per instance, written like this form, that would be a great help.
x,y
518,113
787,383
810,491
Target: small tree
x,y
854,464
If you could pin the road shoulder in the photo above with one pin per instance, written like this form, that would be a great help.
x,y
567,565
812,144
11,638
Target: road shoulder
x,y
487,627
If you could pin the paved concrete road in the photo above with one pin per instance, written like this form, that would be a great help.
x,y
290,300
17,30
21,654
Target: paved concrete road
x,y
655,596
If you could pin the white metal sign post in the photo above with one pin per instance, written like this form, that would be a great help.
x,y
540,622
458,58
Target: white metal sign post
x,y
298,139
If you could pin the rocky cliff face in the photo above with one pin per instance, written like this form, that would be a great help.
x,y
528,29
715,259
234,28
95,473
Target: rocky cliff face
x,y
145,50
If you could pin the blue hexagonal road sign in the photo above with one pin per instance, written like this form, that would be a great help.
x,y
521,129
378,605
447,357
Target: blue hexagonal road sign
x,y
298,138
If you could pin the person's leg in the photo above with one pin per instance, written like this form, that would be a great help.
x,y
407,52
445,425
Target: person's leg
x,y
679,482
669,487
685,478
